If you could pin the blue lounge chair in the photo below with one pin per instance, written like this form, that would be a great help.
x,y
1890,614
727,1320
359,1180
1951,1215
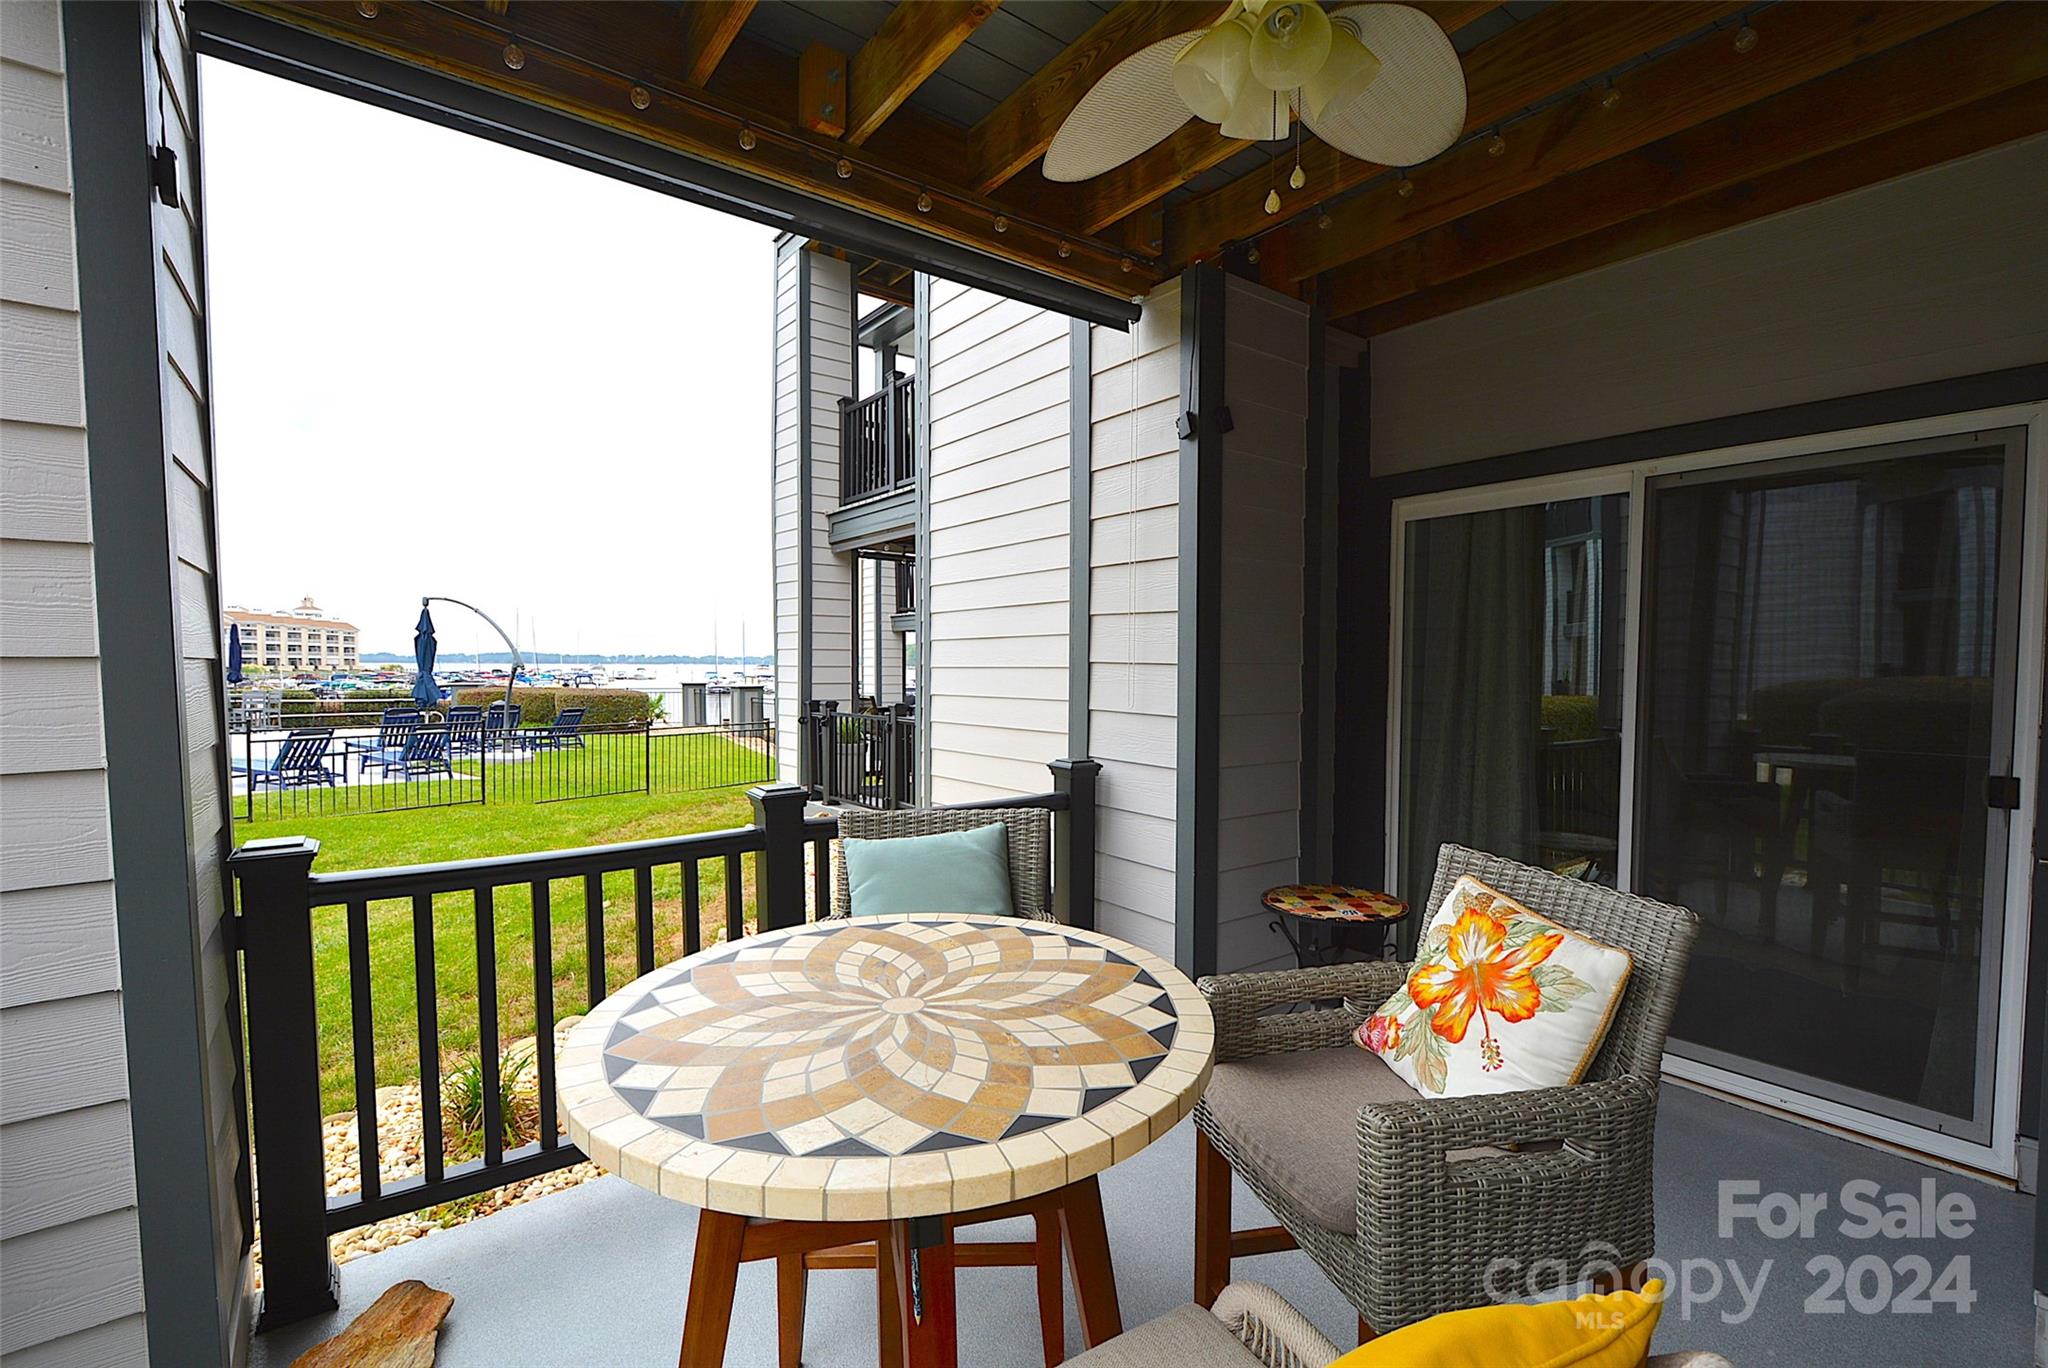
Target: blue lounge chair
x,y
498,731
424,752
299,763
394,729
566,730
465,729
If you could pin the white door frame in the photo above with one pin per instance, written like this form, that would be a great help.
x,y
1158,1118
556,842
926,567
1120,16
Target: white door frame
x,y
2000,1156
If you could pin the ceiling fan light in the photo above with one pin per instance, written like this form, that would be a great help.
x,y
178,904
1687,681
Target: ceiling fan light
x,y
1290,45
1211,72
1344,76
1256,115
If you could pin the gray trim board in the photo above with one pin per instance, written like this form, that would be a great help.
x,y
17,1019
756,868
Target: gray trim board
x,y
267,45
1199,712
1318,626
805,532
1990,389
922,426
156,902
890,517
1080,527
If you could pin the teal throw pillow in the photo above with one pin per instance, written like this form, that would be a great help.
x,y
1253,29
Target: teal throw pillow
x,y
953,871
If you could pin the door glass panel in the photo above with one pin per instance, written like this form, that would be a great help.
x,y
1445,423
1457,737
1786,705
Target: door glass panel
x,y
1511,688
1818,719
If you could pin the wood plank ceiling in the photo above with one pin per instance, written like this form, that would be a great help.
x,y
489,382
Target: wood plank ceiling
x,y
1595,131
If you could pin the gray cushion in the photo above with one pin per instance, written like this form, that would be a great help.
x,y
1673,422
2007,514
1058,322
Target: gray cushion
x,y
1185,1337
1294,1117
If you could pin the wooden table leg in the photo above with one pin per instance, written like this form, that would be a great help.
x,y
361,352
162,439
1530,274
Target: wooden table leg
x,y
1052,1309
1087,1241
888,1318
790,1281
922,1250
713,1275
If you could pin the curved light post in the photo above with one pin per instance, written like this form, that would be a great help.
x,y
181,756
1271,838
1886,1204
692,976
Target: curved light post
x,y
518,662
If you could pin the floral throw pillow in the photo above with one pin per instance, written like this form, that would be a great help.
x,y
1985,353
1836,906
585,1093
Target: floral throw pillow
x,y
1501,999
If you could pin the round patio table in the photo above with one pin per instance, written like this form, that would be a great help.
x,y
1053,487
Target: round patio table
x,y
882,1079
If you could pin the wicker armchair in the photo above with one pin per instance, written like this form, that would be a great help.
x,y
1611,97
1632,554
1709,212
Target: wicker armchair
x,y
1028,831
1252,1325
1405,1202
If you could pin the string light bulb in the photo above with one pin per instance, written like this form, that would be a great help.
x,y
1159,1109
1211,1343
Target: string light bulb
x,y
1126,265
1323,219
1496,145
640,96
515,56
1272,201
1066,249
1404,187
924,202
1002,224
1252,254
367,8
843,168
1299,178
1745,39
1611,96
748,142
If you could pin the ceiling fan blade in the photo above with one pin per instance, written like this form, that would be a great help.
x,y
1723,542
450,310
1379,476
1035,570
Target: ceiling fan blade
x,y
1129,111
1415,107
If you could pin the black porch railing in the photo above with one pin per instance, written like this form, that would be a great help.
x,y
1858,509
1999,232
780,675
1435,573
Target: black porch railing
x,y
279,894
877,441
868,759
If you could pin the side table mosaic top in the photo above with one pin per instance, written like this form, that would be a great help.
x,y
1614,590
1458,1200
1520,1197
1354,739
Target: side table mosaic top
x,y
886,1067
1335,902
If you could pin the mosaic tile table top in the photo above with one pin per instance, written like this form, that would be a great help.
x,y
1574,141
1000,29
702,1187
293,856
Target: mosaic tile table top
x,y
1335,902
886,1067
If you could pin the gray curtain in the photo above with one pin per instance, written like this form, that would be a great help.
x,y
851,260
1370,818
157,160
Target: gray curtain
x,y
1472,640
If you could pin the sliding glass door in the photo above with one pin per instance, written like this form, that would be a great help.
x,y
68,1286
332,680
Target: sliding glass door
x,y
1807,737
1829,651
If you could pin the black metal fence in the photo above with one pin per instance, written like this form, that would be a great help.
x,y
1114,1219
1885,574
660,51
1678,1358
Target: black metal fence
x,y
461,904
867,759
340,763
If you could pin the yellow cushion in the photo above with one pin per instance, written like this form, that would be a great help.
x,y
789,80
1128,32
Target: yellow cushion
x,y
1610,1330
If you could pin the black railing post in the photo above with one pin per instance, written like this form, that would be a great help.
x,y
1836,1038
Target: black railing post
x,y
779,871
276,933
848,460
1073,842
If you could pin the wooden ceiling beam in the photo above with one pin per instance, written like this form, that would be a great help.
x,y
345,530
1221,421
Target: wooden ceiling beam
x,y
2018,113
1962,64
1016,132
654,106
913,42
1689,86
709,27
1093,205
1555,50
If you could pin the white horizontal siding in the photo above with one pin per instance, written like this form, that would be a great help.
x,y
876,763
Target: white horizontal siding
x,y
1258,830
996,544
1134,624
1929,276
70,1260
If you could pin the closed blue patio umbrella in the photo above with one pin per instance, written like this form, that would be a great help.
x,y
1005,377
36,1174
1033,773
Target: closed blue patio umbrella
x,y
234,653
424,691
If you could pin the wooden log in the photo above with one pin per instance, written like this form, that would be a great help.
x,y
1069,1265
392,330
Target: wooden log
x,y
397,1331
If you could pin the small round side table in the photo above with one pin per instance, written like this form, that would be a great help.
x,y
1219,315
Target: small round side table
x,y
1333,907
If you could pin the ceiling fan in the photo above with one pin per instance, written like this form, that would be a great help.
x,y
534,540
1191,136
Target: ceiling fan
x,y
1377,82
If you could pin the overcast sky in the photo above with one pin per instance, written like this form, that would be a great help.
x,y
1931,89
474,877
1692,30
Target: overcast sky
x,y
444,367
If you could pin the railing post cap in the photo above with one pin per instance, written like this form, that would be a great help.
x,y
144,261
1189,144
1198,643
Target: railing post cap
x,y
275,848
1077,764
778,793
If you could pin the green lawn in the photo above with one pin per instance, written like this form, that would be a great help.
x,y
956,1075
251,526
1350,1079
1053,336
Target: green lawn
x,y
368,840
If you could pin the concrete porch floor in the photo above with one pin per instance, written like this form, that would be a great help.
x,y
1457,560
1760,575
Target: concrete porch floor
x,y
596,1275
